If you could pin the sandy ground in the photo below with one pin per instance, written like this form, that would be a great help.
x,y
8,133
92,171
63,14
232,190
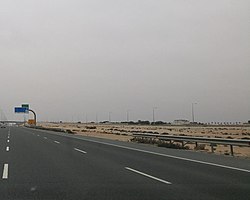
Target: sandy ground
x,y
123,133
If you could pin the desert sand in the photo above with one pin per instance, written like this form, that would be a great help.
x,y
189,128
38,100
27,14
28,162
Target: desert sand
x,y
123,132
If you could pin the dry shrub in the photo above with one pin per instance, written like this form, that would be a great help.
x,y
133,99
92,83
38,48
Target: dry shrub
x,y
90,127
200,147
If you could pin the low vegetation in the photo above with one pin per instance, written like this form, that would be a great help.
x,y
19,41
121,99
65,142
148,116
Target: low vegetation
x,y
159,143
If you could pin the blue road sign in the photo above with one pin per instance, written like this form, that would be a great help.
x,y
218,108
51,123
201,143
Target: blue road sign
x,y
21,110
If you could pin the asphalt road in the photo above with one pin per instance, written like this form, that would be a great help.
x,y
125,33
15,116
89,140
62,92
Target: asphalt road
x,y
37,164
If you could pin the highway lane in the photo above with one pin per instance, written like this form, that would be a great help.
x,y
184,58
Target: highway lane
x,y
43,165
47,170
186,155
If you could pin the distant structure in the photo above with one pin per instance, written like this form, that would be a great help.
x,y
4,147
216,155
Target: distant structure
x,y
2,116
181,122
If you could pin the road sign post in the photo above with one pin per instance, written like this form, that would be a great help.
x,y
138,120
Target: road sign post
x,y
34,116
25,109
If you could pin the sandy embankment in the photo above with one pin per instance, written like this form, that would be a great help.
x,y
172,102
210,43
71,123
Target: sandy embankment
x,y
124,132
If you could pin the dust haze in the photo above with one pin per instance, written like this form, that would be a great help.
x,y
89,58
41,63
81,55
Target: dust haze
x,y
83,59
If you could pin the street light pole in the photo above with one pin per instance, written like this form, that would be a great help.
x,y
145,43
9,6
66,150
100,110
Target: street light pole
x,y
110,116
193,111
86,118
128,116
96,118
154,108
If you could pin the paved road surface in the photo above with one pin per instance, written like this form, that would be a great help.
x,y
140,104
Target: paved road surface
x,y
37,164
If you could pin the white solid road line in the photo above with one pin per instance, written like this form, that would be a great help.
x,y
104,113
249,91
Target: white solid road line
x,y
5,171
45,138
7,148
80,150
169,156
149,176
57,142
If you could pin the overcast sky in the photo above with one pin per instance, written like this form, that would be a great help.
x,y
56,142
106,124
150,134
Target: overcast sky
x,y
72,58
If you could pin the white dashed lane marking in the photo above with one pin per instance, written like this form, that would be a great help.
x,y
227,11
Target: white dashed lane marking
x,y
5,171
147,175
79,150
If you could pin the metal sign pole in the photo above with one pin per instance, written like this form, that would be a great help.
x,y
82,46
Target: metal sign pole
x,y
34,115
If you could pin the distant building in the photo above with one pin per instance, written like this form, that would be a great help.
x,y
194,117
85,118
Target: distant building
x,y
181,122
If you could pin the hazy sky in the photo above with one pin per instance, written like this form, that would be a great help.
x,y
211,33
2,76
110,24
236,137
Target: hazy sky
x,y
69,58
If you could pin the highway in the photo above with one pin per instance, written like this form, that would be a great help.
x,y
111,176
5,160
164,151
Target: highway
x,y
36,164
